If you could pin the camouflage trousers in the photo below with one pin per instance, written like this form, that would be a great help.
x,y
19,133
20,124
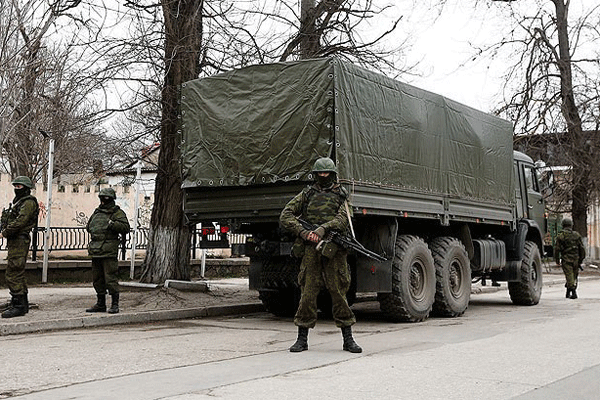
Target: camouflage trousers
x,y
105,275
317,272
571,271
16,259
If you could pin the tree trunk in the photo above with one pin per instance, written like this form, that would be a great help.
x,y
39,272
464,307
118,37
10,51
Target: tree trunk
x,y
309,40
572,118
168,253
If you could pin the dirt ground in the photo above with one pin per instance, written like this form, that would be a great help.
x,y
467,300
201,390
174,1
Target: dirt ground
x,y
60,301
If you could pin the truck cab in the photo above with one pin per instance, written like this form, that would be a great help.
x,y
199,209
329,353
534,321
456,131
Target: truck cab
x,y
530,204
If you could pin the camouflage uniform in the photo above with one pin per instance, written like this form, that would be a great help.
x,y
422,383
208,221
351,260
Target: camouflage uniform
x,y
21,218
324,204
325,208
104,226
569,253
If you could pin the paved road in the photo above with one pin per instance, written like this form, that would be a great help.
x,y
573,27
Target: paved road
x,y
495,351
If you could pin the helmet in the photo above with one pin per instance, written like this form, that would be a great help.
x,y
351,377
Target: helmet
x,y
108,192
324,164
567,222
23,180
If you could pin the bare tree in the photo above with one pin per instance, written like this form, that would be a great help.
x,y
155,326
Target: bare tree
x,y
351,29
168,252
48,81
551,88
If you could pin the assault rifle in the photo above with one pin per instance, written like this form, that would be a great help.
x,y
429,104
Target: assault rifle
x,y
4,218
348,243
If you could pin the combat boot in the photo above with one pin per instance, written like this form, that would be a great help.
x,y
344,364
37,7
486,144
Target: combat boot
x,y
100,305
114,306
349,343
568,295
302,341
26,303
573,293
17,308
6,306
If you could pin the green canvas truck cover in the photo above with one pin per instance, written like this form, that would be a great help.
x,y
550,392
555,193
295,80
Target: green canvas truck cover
x,y
269,123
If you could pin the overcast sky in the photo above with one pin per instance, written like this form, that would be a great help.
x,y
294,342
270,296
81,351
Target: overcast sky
x,y
444,44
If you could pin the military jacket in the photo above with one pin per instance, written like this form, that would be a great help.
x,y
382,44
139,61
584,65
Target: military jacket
x,y
104,227
324,207
569,247
22,217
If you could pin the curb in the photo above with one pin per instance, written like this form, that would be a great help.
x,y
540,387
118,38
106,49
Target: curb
x,y
549,282
94,321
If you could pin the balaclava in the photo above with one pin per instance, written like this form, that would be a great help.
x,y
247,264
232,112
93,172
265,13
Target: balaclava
x,y
326,181
106,201
24,191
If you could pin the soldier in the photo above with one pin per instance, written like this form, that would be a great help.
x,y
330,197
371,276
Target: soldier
x,y
323,204
569,249
104,226
17,223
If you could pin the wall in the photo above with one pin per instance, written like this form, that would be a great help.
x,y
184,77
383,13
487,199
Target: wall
x,y
73,205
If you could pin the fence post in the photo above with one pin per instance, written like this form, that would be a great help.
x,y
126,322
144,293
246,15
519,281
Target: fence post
x,y
194,241
34,243
123,246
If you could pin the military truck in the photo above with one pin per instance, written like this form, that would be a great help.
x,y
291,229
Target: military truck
x,y
435,186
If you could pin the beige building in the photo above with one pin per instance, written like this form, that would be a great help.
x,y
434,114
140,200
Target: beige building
x,y
72,205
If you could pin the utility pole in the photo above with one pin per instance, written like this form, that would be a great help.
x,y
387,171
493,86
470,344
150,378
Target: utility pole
x,y
138,178
48,206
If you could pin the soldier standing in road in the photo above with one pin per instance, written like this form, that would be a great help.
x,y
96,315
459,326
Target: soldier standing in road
x,y
104,226
569,254
323,204
17,223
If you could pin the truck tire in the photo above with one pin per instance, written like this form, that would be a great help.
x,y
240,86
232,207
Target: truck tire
x,y
528,291
413,282
452,275
279,291
281,303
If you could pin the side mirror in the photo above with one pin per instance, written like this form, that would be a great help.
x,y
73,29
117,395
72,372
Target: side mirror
x,y
547,179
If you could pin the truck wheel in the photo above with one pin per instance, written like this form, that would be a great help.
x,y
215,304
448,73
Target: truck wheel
x,y
453,277
281,303
528,291
413,282
279,290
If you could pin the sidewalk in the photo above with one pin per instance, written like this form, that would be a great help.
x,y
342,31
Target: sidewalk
x,y
56,307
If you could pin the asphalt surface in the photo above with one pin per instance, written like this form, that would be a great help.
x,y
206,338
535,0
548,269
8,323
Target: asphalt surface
x,y
59,307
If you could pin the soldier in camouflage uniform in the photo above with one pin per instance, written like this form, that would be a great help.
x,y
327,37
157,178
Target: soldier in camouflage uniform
x,y
569,254
323,204
17,224
104,226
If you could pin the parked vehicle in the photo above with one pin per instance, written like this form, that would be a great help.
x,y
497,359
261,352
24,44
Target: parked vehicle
x,y
435,185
